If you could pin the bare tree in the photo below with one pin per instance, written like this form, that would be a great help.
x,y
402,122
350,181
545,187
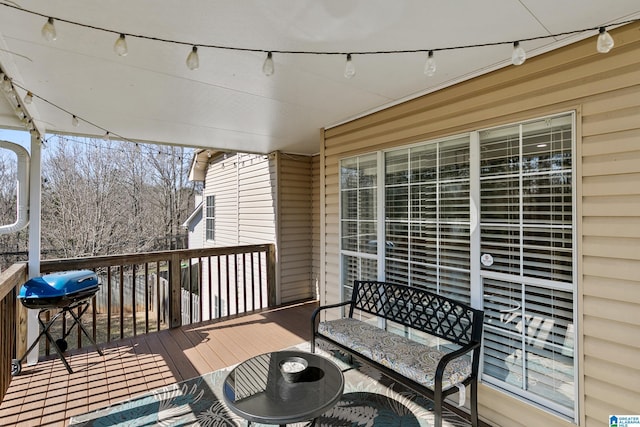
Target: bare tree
x,y
172,193
83,209
104,198
12,245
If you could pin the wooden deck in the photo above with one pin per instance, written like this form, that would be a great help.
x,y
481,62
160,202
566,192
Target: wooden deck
x,y
46,395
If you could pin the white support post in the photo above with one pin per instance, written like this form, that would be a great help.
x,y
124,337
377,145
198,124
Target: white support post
x,y
35,202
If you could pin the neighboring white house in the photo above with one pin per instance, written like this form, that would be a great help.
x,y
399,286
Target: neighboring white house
x,y
195,225
255,199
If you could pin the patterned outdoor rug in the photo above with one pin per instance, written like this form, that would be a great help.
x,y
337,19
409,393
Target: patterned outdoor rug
x,y
370,399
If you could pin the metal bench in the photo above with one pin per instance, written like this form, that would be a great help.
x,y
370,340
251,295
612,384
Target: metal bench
x,y
427,365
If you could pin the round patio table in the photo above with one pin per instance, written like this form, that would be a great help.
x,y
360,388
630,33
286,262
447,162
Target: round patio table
x,y
256,390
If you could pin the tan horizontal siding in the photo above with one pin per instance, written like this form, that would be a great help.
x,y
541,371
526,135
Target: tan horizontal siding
x,y
295,227
596,410
315,224
605,92
604,370
614,328
619,142
611,288
616,311
601,206
625,247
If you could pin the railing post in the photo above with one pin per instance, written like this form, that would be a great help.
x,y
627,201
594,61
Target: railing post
x,y
21,329
272,296
175,294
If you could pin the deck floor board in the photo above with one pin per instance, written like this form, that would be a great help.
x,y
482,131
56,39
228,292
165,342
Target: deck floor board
x,y
46,394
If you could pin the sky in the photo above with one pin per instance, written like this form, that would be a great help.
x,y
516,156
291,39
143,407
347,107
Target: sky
x,y
21,137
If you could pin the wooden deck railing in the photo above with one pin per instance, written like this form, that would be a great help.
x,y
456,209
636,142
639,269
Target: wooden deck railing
x,y
12,319
141,293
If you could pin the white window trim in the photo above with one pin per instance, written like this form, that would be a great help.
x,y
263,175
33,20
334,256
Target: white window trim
x,y
515,392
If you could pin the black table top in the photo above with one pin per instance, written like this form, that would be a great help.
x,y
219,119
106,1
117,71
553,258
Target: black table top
x,y
257,391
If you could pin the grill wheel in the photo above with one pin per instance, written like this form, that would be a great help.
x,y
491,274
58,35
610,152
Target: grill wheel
x,y
62,344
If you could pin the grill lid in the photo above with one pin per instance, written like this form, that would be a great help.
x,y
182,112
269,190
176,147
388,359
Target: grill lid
x,y
58,284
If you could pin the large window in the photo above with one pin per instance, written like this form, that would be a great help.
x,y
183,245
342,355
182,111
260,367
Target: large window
x,y
210,218
427,217
486,217
526,222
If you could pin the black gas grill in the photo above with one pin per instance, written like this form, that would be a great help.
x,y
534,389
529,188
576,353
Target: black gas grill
x,y
69,292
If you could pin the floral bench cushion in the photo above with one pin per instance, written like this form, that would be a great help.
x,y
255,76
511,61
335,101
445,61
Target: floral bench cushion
x,y
411,359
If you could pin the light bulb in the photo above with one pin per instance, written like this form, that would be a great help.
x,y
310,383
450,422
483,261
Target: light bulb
x,y
6,84
193,62
49,30
605,41
519,55
120,46
19,112
75,122
349,68
28,98
268,68
430,65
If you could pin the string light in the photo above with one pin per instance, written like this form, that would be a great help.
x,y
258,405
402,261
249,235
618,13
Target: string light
x,y
49,33
519,55
430,65
349,68
604,44
605,41
268,68
120,46
75,120
19,112
193,62
9,88
49,30
121,148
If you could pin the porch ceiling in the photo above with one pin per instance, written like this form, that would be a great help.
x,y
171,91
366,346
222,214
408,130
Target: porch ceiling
x,y
228,103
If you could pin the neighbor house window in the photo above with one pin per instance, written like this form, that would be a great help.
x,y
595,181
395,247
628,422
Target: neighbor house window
x,y
210,217
487,218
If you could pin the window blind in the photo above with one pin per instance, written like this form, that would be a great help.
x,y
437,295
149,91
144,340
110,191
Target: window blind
x,y
427,217
526,233
526,242
358,220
